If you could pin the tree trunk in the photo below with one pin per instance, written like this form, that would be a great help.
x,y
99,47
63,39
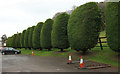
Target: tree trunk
x,y
29,48
40,48
84,52
49,49
61,50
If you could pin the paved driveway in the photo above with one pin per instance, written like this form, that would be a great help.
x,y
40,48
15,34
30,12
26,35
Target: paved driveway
x,y
24,63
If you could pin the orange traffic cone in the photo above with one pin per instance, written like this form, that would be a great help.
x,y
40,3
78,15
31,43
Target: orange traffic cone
x,y
70,58
81,63
32,53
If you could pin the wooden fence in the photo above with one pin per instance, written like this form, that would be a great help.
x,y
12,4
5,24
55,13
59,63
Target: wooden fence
x,y
100,42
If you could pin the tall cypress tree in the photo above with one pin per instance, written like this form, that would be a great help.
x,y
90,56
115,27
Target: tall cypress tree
x,y
26,38
22,39
36,36
30,37
45,37
17,41
59,35
113,25
84,26
8,42
13,40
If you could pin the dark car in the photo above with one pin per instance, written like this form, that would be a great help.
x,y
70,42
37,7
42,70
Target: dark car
x,y
7,50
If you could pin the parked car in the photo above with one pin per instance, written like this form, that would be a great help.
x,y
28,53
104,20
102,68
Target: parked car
x,y
7,50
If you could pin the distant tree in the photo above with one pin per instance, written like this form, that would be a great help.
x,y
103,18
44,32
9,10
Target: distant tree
x,y
30,37
4,39
36,36
54,17
45,37
102,5
113,25
26,38
84,26
22,39
59,35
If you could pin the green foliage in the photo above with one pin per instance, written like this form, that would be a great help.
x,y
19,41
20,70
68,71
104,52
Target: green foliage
x,y
22,39
113,25
36,36
17,41
84,26
30,45
59,35
8,43
13,40
45,37
26,38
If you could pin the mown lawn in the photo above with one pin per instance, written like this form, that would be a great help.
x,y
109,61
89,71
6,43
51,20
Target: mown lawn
x,y
106,55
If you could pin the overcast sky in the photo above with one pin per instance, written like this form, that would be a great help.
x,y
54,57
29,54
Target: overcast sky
x,y
17,15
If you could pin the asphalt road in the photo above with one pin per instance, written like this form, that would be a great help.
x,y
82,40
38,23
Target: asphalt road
x,y
25,63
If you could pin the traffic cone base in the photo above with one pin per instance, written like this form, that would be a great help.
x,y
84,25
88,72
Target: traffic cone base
x,y
82,68
81,65
32,53
70,63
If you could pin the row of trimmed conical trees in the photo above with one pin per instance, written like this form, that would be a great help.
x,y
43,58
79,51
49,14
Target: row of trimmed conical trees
x,y
80,30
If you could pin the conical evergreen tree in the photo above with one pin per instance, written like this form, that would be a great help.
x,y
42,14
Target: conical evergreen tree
x,y
36,36
45,37
84,26
113,25
59,35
